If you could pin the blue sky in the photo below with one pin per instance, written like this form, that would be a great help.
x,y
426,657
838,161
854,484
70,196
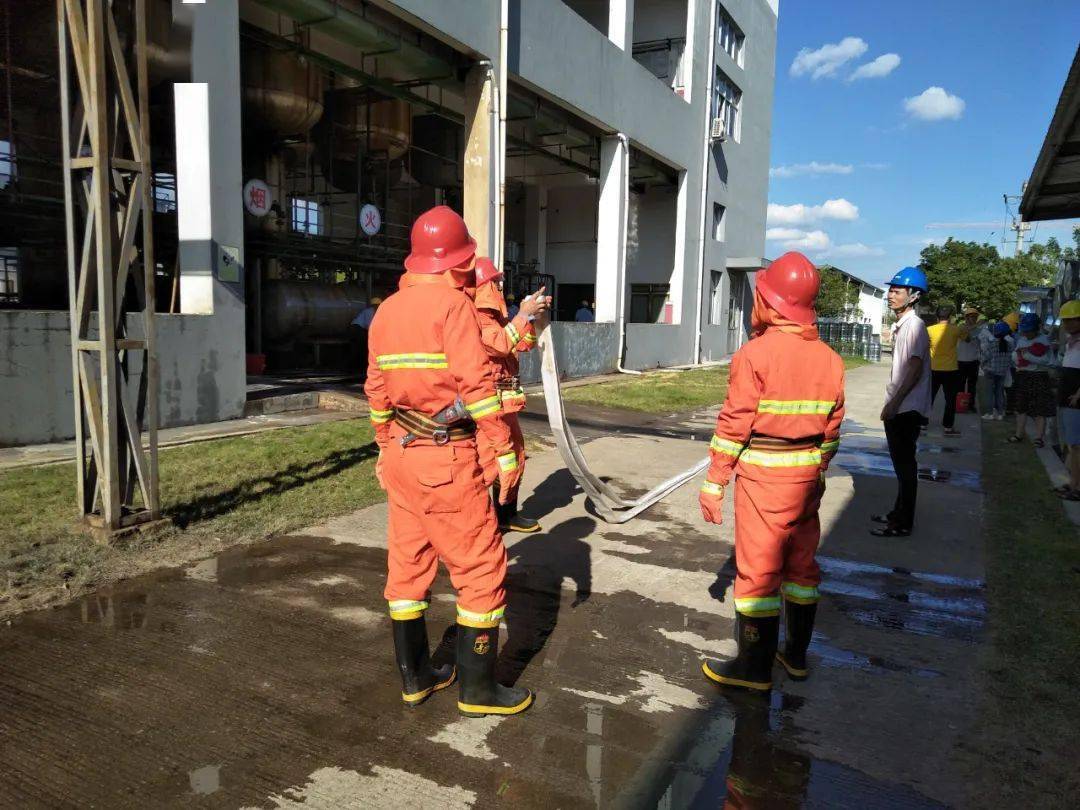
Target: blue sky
x,y
867,168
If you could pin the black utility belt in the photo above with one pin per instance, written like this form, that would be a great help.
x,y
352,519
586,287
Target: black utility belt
x,y
424,427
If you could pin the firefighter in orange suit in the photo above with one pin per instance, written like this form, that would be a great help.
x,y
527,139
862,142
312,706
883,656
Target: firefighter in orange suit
x,y
503,338
431,390
777,431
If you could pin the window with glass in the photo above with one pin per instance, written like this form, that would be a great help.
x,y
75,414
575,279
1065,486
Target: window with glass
x,y
727,99
716,298
718,222
728,36
9,275
164,193
647,302
7,164
305,216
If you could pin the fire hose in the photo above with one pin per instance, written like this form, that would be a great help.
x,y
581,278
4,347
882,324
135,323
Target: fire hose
x,y
609,504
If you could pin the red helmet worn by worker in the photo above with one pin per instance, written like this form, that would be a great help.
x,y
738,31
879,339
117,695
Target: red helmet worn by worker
x,y
440,241
790,285
486,271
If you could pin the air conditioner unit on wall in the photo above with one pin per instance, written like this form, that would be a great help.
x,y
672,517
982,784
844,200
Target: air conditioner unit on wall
x,y
717,131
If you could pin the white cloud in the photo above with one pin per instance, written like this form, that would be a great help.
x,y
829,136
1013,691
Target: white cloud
x,y
828,59
962,226
855,250
879,68
935,104
811,168
795,239
876,166
799,214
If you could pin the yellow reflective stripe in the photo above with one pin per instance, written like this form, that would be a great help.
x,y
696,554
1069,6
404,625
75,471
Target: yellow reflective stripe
x,y
489,619
802,458
530,338
800,594
484,407
512,333
795,407
712,488
725,446
758,605
830,447
381,417
517,395
508,462
404,609
390,362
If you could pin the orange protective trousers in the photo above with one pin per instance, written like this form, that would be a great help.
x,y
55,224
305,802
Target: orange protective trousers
x,y
517,441
777,531
440,510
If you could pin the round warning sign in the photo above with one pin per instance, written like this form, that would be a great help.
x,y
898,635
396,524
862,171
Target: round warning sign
x,y
370,219
257,197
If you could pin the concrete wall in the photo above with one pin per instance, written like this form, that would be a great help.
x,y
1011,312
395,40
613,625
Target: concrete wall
x,y
571,233
739,170
35,374
582,349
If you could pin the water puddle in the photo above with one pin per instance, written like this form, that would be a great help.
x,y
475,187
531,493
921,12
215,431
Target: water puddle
x,y
863,462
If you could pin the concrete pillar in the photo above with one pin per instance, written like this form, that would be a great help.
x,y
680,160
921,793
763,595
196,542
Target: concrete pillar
x,y
209,175
611,227
481,184
621,23
210,178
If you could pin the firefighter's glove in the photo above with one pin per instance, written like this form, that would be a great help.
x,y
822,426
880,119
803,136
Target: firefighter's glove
x,y
711,499
509,475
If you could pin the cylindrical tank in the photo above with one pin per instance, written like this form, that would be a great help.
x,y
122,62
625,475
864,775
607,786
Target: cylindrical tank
x,y
282,91
295,309
377,129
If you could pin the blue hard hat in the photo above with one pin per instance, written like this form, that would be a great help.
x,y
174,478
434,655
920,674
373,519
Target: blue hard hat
x,y
1001,329
1029,322
911,277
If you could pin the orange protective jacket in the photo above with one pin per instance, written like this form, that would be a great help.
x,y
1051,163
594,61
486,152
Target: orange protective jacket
x,y
785,403
424,352
503,338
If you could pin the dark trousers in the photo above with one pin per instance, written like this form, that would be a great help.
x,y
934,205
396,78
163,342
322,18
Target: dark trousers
x,y
358,346
969,376
949,382
902,434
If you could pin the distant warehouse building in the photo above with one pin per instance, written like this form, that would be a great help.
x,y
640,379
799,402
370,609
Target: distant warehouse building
x,y
866,303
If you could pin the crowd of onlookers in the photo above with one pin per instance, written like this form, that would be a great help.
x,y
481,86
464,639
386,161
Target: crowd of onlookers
x,y
1011,366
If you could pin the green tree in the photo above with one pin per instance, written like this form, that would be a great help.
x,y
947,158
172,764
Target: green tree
x,y
838,297
970,274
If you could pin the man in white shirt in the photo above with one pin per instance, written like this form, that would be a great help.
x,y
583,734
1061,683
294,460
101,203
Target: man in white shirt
x,y
358,335
907,398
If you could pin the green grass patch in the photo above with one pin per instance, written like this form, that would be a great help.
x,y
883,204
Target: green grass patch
x,y
665,391
216,494
1028,732
656,391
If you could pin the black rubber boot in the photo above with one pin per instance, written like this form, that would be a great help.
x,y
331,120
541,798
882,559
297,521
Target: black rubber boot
x,y
477,649
799,626
752,667
509,519
418,679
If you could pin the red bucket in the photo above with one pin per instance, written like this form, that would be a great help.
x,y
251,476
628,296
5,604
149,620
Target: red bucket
x,y
963,402
256,364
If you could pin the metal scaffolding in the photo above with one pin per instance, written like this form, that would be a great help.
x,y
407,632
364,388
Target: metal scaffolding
x,y
107,197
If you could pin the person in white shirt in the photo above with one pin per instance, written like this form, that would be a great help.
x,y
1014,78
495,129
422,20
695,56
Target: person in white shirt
x,y
907,398
1069,396
358,334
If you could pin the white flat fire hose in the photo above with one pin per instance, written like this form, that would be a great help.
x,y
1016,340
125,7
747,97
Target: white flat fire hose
x,y
610,506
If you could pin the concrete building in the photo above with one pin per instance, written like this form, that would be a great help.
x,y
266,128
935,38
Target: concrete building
x,y
870,307
615,151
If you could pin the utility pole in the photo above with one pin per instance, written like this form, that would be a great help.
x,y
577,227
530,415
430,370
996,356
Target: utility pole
x,y
1018,225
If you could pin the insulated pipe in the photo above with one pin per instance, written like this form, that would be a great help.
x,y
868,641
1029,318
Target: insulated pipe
x,y
502,102
702,213
624,174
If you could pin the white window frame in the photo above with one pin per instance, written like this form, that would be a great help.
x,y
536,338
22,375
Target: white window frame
x,y
727,104
729,37
301,218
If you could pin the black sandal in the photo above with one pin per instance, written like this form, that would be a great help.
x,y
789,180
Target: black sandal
x,y
885,520
1039,443
1014,439
891,531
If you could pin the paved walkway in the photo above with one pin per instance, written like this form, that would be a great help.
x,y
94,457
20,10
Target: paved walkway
x,y
264,678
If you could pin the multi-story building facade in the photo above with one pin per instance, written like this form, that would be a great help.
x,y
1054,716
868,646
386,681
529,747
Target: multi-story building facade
x,y
615,151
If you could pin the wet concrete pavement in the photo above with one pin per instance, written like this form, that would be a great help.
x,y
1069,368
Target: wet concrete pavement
x,y
264,677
